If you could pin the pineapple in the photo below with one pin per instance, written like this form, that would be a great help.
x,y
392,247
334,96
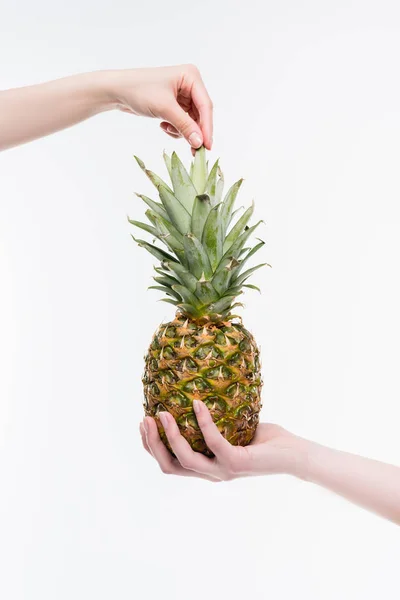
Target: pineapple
x,y
204,353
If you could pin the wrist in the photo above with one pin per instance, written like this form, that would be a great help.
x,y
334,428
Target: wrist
x,y
100,88
297,457
111,87
313,457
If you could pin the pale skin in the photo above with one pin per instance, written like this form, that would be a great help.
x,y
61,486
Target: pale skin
x,y
175,95
371,484
178,98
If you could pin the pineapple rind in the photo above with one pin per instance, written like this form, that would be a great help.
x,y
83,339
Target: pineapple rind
x,y
216,363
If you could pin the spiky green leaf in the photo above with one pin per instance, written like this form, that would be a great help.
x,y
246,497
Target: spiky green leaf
x,y
222,304
166,280
252,251
167,160
162,233
251,287
212,238
233,215
155,179
140,163
244,260
199,175
170,301
220,280
220,187
152,230
182,274
201,209
176,212
184,189
244,276
199,263
166,290
163,273
206,292
238,228
211,185
237,246
155,206
188,309
223,274
228,203
165,227
152,217
157,252
233,290
187,296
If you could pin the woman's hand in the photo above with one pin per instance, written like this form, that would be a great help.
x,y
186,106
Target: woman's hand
x,y
369,483
175,95
273,450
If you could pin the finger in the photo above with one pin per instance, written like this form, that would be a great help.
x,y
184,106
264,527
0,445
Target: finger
x,y
184,124
214,440
168,128
167,463
158,450
143,436
204,105
193,461
194,114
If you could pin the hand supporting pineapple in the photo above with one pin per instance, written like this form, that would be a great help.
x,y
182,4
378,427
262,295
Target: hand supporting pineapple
x,y
175,95
371,484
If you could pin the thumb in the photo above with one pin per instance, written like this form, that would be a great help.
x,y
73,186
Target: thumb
x,y
185,125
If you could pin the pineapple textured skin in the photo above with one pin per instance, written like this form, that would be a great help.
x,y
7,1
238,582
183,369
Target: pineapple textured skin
x,y
216,363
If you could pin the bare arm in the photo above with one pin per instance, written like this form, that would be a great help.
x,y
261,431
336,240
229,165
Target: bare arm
x,y
38,110
175,95
368,483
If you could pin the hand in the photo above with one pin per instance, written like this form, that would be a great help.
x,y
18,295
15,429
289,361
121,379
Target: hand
x,y
176,95
369,483
273,450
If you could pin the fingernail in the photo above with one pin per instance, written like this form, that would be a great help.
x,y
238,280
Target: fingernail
x,y
196,406
171,129
145,425
164,419
195,140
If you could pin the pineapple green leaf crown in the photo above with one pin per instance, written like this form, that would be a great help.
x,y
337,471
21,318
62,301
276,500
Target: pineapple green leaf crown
x,y
202,273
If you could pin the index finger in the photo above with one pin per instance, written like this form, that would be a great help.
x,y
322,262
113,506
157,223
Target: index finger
x,y
214,440
168,464
204,105
190,460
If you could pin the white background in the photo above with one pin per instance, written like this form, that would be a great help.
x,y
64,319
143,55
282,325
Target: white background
x,y
307,109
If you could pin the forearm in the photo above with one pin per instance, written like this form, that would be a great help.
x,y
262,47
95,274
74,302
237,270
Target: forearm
x,y
369,483
31,112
